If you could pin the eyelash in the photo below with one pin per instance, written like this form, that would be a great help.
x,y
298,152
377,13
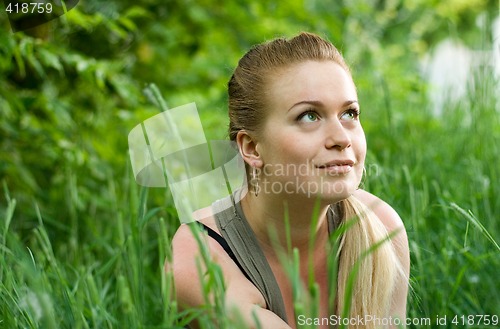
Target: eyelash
x,y
355,111
303,114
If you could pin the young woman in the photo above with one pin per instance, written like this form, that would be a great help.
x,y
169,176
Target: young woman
x,y
295,117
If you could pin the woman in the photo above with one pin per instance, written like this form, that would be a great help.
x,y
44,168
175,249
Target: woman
x,y
294,115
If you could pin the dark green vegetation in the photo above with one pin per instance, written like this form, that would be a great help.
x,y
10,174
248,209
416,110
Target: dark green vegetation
x,y
82,246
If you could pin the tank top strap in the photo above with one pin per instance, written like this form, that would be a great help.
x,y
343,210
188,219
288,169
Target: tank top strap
x,y
334,215
241,239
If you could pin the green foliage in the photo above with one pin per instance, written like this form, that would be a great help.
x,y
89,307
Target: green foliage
x,y
83,247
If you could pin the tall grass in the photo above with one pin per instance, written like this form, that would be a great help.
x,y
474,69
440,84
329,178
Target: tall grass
x,y
440,173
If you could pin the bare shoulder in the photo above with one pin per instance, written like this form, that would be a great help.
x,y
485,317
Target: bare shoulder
x,y
191,250
186,244
387,215
183,266
187,265
392,222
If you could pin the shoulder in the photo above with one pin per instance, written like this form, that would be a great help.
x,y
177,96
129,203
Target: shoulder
x,y
387,215
188,244
392,222
194,254
191,255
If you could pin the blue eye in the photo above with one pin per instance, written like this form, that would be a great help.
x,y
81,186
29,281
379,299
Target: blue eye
x,y
350,114
308,116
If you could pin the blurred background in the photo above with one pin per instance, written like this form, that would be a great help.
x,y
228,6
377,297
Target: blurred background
x,y
82,245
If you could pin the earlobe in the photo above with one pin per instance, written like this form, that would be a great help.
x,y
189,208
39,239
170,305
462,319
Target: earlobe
x,y
247,146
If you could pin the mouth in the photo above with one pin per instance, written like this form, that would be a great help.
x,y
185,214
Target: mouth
x,y
336,163
337,167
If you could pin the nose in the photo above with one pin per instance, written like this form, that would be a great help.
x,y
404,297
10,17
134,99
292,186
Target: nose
x,y
337,136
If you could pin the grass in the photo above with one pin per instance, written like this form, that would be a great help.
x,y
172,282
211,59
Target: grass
x,y
441,175
105,270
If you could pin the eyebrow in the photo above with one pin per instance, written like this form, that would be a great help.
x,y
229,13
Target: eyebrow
x,y
319,103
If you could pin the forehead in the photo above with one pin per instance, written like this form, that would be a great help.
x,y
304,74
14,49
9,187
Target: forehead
x,y
324,81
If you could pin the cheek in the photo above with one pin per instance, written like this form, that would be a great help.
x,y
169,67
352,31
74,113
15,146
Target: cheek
x,y
284,147
299,151
359,144
362,152
287,151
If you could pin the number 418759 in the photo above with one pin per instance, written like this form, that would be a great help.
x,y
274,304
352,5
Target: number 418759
x,y
475,320
29,8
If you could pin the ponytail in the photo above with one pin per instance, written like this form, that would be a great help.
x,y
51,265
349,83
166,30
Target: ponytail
x,y
378,270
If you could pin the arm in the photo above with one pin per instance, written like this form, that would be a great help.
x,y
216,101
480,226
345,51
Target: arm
x,y
242,297
251,313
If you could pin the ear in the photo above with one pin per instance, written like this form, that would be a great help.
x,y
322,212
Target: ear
x,y
248,149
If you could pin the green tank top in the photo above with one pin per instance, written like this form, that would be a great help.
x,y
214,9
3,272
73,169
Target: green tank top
x,y
243,243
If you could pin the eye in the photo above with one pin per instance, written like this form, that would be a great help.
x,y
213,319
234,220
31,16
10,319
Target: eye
x,y
351,114
308,116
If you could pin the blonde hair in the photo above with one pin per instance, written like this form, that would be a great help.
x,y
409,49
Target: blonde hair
x,y
246,88
378,270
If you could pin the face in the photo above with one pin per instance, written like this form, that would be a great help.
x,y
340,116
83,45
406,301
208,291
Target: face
x,y
311,143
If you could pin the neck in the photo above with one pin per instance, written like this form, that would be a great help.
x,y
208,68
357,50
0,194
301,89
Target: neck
x,y
272,216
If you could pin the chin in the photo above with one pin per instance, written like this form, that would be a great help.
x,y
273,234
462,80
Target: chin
x,y
334,198
329,191
338,191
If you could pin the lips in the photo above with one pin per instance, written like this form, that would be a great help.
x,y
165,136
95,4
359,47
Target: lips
x,y
336,167
336,163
